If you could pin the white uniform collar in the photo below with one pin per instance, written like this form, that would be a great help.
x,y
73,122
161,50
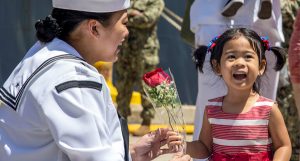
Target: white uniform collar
x,y
58,44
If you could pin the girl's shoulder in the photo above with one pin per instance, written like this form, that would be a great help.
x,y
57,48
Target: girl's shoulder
x,y
263,101
262,98
217,99
214,105
262,108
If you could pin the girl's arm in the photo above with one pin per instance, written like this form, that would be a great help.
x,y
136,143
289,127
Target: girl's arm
x,y
201,148
279,135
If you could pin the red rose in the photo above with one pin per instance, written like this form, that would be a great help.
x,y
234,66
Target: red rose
x,y
156,77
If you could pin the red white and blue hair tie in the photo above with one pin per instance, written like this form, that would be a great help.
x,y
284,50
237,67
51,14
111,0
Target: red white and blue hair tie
x,y
266,42
212,44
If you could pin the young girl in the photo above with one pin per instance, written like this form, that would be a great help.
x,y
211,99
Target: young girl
x,y
242,125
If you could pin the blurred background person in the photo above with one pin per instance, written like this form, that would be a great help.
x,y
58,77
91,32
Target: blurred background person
x,y
232,6
140,54
294,61
287,90
294,65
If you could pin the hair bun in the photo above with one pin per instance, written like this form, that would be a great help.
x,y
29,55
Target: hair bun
x,y
47,30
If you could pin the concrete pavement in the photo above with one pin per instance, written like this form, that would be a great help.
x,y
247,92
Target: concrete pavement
x,y
134,120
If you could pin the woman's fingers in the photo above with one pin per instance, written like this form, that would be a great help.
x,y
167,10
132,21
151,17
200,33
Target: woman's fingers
x,y
180,157
174,141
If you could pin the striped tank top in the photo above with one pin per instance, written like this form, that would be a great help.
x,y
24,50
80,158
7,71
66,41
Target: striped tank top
x,y
243,135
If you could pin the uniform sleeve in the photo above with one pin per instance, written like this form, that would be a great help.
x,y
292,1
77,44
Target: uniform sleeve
x,y
84,122
150,14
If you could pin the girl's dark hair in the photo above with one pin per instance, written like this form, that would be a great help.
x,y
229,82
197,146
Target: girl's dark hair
x,y
255,41
62,22
199,57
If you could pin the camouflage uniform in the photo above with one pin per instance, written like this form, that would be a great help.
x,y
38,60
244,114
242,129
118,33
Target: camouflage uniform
x,y
138,55
285,96
289,12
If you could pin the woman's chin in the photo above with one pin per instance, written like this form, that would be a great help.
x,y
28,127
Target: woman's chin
x,y
115,59
116,55
118,51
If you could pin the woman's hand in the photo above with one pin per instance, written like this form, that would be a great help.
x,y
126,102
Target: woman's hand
x,y
175,141
180,157
134,13
150,145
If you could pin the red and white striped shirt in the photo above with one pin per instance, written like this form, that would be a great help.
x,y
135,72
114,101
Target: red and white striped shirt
x,y
240,133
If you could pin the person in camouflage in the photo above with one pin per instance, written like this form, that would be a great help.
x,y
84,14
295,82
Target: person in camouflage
x,y
138,56
285,97
289,11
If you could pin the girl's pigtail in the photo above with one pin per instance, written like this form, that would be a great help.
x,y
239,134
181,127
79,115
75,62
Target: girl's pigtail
x,y
199,57
280,54
47,30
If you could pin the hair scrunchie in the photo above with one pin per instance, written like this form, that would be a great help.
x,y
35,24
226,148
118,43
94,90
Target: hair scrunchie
x,y
266,42
212,44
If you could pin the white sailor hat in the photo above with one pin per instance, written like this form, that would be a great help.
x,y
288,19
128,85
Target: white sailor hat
x,y
98,6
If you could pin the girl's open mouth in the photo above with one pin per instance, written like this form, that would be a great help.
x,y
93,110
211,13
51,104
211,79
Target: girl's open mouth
x,y
240,76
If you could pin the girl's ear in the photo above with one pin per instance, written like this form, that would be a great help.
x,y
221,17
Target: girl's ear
x,y
216,67
262,67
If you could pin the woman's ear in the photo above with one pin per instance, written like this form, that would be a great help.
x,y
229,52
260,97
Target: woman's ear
x,y
262,67
216,67
94,27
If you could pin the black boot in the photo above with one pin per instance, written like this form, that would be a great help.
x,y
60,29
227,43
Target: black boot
x,y
231,7
265,10
143,129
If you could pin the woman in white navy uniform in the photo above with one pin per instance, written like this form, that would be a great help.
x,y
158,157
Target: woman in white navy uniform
x,y
55,106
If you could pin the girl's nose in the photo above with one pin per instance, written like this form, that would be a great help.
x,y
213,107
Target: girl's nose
x,y
240,62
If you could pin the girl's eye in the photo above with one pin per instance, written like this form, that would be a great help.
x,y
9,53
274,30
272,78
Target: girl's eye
x,y
230,57
248,56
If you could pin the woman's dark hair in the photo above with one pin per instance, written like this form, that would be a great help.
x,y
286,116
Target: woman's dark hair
x,y
62,22
255,41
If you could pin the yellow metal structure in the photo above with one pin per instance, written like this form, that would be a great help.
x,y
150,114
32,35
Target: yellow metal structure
x,y
106,68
